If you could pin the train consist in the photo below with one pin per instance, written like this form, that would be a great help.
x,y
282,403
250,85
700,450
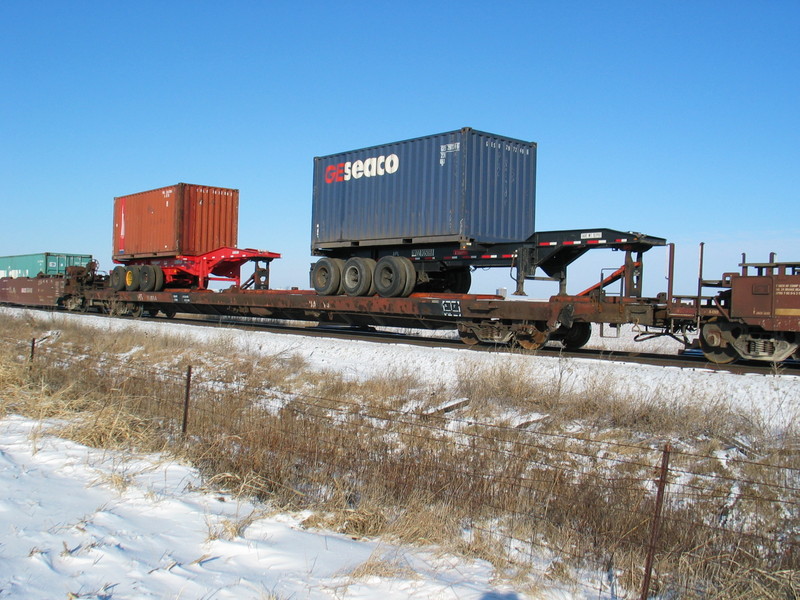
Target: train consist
x,y
398,229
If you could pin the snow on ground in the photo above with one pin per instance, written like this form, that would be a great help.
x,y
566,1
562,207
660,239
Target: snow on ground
x,y
77,522
774,398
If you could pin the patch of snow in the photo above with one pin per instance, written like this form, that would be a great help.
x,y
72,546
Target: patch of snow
x,y
85,523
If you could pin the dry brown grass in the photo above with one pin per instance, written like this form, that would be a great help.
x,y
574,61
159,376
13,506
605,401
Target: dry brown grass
x,y
383,566
371,458
636,415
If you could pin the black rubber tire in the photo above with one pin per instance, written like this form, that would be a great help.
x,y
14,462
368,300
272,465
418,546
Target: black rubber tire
x,y
133,278
458,281
411,277
147,278
169,312
391,276
159,279
326,276
117,279
577,336
357,276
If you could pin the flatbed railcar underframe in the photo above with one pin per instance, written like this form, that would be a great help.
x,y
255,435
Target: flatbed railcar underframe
x,y
479,318
754,315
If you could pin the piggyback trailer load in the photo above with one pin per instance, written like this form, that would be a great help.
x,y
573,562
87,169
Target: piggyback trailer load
x,y
418,215
181,236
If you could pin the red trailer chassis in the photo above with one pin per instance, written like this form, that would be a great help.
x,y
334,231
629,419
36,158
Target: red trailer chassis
x,y
193,272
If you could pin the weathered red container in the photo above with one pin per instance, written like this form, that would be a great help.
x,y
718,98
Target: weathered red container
x,y
179,220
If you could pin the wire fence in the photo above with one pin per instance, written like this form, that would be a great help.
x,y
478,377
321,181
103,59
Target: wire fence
x,y
657,518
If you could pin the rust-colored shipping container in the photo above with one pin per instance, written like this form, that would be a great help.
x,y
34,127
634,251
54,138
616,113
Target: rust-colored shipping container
x,y
178,220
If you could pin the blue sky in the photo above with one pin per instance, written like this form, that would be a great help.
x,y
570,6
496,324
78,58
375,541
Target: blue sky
x,y
678,119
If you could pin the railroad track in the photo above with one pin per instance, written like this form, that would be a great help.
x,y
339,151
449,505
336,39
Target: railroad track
x,y
687,360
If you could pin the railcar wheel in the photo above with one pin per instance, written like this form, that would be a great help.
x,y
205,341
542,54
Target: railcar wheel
x,y
115,308
136,310
169,312
392,275
74,303
714,347
531,338
357,276
117,279
467,335
133,278
577,336
147,278
326,276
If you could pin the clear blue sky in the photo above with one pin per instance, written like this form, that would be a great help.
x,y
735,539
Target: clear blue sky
x,y
678,119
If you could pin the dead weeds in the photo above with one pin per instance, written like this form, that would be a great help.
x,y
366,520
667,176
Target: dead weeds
x,y
374,458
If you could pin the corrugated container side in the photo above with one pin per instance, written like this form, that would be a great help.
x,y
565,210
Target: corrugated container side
x,y
210,219
500,188
182,219
460,185
48,263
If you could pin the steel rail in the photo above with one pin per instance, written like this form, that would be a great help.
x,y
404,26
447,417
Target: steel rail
x,y
688,360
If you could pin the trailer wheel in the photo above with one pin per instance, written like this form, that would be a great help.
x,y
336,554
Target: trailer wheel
x,y
458,281
159,279
577,336
357,276
133,278
392,276
147,277
411,275
326,276
117,279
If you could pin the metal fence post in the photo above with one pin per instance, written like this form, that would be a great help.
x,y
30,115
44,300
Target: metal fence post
x,y
656,525
33,349
186,398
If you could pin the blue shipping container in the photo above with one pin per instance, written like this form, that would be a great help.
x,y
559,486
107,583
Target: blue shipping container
x,y
47,263
460,186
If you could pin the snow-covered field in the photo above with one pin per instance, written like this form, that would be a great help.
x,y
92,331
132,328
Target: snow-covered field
x,y
77,522
774,398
